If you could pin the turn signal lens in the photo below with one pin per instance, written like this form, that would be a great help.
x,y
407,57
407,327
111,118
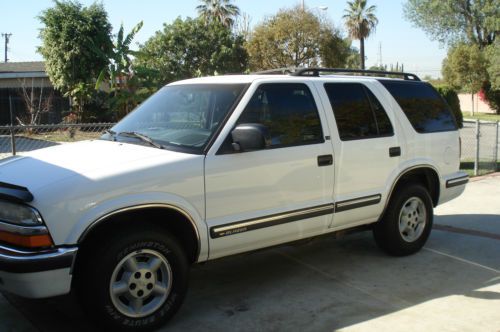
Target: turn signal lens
x,y
26,241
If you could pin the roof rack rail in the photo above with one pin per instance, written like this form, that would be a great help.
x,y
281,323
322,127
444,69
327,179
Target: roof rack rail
x,y
316,71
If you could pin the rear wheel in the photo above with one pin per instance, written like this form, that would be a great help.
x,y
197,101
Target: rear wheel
x,y
136,282
407,222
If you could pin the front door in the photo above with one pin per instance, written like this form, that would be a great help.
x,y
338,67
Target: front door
x,y
280,193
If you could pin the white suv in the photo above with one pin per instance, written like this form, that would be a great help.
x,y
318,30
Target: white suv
x,y
216,166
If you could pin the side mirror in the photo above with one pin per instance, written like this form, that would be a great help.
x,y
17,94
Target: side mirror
x,y
249,137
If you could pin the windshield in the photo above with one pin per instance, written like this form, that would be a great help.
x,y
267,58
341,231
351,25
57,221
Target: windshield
x,y
179,116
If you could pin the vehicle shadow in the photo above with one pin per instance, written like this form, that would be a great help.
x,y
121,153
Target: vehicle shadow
x,y
321,285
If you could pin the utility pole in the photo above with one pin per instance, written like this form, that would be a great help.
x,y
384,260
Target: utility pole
x,y
6,36
380,55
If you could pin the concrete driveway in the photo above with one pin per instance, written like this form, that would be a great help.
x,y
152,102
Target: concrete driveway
x,y
327,285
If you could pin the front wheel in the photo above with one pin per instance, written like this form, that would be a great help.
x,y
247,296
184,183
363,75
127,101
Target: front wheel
x,y
407,222
134,283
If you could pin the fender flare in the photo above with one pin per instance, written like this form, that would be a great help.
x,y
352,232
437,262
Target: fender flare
x,y
165,206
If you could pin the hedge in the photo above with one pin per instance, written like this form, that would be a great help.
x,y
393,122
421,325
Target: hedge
x,y
451,97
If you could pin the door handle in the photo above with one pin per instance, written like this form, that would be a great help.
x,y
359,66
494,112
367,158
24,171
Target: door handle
x,y
325,160
395,151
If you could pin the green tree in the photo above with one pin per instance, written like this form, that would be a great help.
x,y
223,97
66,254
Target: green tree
x,y
76,45
191,47
451,97
122,79
492,87
473,21
465,68
222,11
296,38
360,21
493,57
337,52
353,59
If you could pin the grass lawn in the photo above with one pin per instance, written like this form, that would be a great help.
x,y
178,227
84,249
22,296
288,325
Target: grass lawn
x,y
482,116
484,167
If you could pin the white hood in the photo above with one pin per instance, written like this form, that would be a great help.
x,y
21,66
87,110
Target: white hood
x,y
89,159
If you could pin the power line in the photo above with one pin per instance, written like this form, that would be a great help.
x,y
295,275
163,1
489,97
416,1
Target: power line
x,y
6,36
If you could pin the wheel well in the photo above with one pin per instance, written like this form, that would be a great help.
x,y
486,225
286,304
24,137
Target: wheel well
x,y
170,220
425,176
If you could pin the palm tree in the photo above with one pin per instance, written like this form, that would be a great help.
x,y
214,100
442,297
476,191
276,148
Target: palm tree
x,y
360,22
218,10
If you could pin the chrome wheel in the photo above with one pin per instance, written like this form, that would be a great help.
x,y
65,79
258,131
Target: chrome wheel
x,y
140,283
412,219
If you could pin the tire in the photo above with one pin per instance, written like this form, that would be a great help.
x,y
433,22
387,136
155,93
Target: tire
x,y
407,222
135,282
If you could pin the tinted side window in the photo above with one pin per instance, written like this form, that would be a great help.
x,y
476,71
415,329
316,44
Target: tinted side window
x,y
384,125
289,113
422,105
357,112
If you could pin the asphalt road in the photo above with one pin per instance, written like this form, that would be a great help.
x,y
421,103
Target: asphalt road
x,y
330,284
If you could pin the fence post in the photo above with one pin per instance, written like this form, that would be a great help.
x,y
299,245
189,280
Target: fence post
x,y
12,136
476,159
12,141
496,146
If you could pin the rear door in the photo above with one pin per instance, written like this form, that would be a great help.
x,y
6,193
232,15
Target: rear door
x,y
366,151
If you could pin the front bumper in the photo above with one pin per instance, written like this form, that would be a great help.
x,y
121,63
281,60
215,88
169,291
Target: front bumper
x,y
36,274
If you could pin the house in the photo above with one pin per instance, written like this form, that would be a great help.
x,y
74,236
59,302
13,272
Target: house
x,y
25,89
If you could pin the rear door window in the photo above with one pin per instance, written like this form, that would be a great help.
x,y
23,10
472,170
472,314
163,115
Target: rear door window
x,y
358,113
423,106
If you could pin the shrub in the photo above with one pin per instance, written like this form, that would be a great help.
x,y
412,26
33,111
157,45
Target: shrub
x,y
492,96
451,97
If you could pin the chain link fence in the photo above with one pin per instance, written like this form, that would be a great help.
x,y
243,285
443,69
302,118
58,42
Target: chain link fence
x,y
480,147
480,141
21,139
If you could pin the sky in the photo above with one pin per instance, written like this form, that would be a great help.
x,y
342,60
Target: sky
x,y
398,40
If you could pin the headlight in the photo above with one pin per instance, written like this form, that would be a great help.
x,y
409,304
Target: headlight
x,y
19,214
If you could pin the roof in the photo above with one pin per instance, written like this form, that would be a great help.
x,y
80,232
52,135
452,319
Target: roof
x,y
22,67
247,79
13,71
304,74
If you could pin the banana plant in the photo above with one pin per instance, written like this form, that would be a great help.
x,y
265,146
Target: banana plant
x,y
119,74
120,66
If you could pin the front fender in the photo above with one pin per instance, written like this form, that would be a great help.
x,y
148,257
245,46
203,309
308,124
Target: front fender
x,y
101,211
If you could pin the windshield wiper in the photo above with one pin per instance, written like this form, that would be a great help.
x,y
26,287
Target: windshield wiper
x,y
142,137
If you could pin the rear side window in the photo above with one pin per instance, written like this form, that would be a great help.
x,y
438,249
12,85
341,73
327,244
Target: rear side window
x,y
423,106
289,113
358,113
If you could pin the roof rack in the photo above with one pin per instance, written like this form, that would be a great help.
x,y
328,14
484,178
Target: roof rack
x,y
317,71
